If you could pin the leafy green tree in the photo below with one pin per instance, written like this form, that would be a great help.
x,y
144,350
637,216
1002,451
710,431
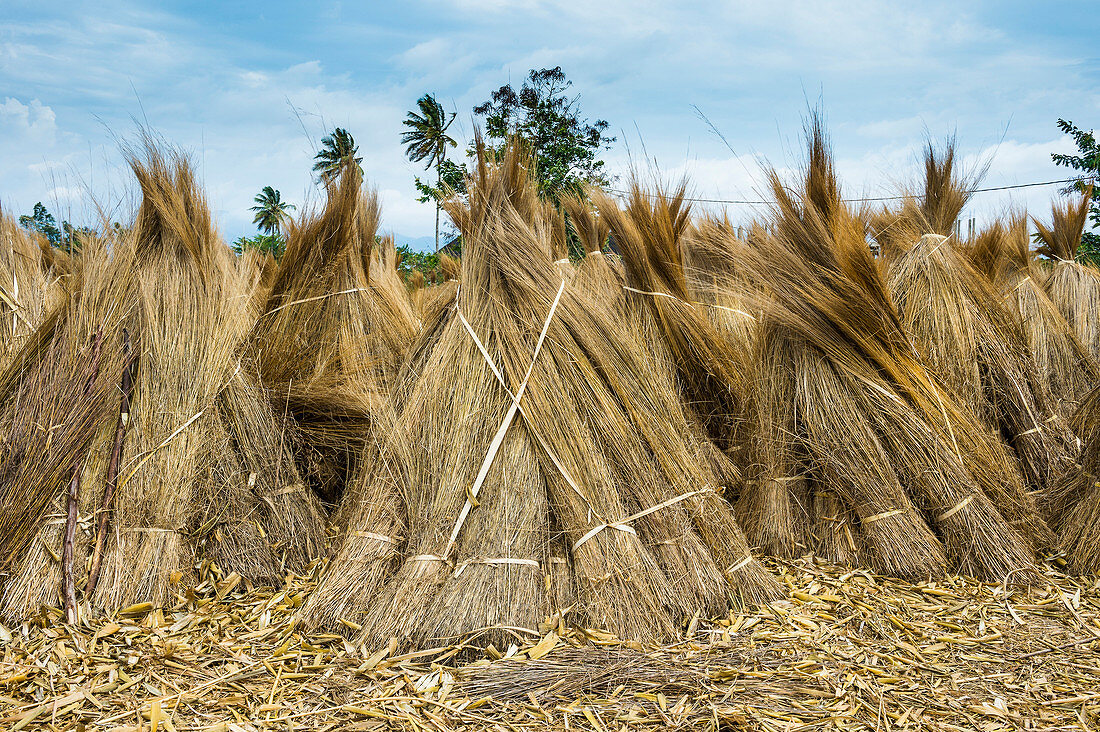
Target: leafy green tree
x,y
335,149
1087,161
411,260
271,211
263,243
565,146
67,237
426,141
43,222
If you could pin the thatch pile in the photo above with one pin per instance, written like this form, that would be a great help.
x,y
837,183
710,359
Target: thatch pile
x,y
1002,251
130,399
1072,286
964,330
331,338
1078,520
864,456
532,472
27,282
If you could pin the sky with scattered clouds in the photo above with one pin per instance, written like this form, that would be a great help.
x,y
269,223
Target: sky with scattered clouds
x,y
249,88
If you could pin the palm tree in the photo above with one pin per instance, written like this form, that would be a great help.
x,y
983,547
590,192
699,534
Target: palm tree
x,y
427,140
335,150
271,211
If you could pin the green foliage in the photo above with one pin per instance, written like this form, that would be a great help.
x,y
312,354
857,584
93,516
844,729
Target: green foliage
x,y
449,177
1087,161
43,222
271,211
335,149
565,146
426,139
423,262
263,243
67,237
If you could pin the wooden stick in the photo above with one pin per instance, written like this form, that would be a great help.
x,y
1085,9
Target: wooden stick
x,y
105,506
68,586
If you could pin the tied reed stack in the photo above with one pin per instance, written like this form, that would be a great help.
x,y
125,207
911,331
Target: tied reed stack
x,y
1072,286
330,338
140,408
969,337
533,485
55,422
1003,252
865,456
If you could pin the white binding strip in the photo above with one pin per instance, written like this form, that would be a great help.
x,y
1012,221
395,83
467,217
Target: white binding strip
x,y
750,316
150,454
538,436
376,537
624,524
496,561
657,294
740,565
883,515
318,297
956,509
498,438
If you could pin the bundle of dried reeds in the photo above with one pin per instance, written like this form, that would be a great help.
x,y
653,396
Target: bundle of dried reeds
x,y
416,284
530,427
26,283
328,342
866,454
1066,367
710,263
710,369
967,334
58,400
1073,287
187,282
1078,522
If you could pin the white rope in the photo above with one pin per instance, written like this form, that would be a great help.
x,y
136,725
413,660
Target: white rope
x,y
883,515
740,565
624,526
538,436
376,537
496,561
956,509
498,438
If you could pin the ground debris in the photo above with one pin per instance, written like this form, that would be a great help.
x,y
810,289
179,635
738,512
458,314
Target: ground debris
x,y
848,650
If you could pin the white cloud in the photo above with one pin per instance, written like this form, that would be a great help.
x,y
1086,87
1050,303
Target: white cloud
x,y
887,74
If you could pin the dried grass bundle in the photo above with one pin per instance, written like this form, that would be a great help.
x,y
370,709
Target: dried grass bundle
x,y
1065,366
710,369
57,400
910,484
1078,523
711,266
186,280
975,344
527,418
1073,287
25,285
330,341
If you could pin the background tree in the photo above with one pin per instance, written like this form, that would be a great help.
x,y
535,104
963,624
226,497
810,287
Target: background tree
x,y
271,211
1087,161
262,243
565,146
426,141
335,149
67,237
43,222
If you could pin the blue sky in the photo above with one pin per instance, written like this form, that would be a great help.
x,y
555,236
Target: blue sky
x,y
249,88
